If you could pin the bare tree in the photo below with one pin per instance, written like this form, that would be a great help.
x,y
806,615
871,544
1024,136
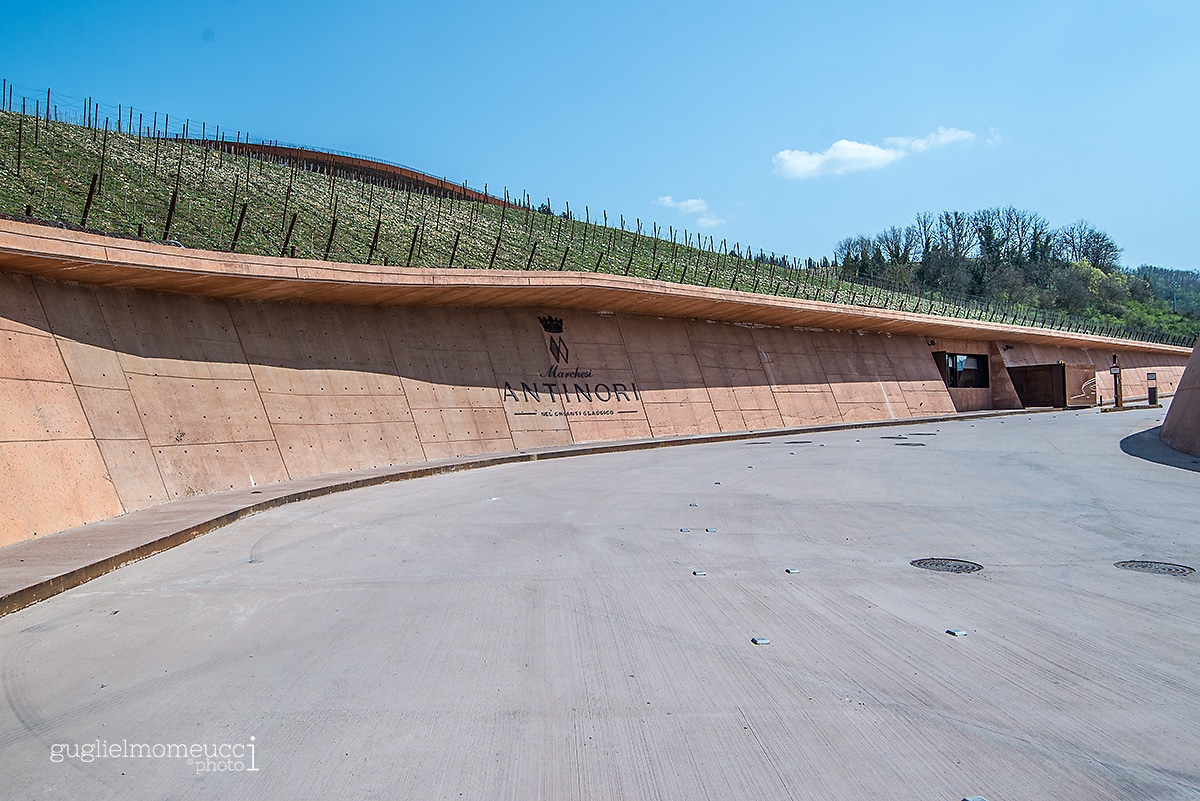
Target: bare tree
x,y
926,229
1080,240
898,245
956,235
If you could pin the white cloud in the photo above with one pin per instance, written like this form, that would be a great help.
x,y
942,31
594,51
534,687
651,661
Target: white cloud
x,y
940,137
845,156
841,157
693,205
690,206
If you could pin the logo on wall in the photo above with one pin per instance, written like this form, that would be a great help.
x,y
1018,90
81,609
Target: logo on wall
x,y
556,344
559,391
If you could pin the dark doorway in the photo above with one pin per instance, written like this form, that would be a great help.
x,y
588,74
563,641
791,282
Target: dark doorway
x,y
1040,385
1058,385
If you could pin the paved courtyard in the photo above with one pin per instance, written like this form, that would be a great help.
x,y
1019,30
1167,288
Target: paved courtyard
x,y
582,628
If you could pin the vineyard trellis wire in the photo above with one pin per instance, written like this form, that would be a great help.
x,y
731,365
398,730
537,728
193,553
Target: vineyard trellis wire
x,y
203,193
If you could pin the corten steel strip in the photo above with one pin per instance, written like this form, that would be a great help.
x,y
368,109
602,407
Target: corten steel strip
x,y
361,167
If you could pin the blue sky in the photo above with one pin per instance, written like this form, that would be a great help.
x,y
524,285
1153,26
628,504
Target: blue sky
x,y
784,126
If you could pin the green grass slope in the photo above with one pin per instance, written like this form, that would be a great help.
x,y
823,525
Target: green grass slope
x,y
202,197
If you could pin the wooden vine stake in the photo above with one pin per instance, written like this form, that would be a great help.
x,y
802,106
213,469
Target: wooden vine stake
x,y
237,232
103,157
87,207
288,238
412,245
171,208
329,242
375,241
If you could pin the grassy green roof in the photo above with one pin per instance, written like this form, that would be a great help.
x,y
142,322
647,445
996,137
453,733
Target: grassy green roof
x,y
194,194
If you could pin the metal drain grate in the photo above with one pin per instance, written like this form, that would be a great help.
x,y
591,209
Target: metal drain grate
x,y
946,565
1161,568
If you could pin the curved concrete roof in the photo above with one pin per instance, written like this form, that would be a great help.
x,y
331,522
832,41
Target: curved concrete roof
x,y
88,258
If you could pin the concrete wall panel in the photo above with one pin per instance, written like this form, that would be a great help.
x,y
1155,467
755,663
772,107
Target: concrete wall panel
x,y
452,450
284,380
111,413
971,399
31,357
134,472
652,335
608,429
846,390
52,485
74,314
309,450
925,398
191,410
195,469
861,412
677,375
293,409
1004,392
192,319
20,309
178,356
433,381
92,365
40,410
525,440
460,425
680,417
808,408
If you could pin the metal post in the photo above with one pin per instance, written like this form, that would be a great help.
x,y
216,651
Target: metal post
x,y
1118,393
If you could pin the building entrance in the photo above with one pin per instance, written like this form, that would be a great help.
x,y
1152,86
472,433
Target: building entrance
x,y
1058,385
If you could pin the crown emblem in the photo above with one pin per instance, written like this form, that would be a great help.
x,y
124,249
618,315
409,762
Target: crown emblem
x,y
552,325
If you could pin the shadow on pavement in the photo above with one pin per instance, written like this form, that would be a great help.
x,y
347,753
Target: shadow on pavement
x,y
1146,445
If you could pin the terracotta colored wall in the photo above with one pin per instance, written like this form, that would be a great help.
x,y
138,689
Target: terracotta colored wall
x,y
1134,365
1000,395
117,399
1181,428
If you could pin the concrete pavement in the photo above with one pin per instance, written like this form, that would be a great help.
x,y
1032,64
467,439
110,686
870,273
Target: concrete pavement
x,y
538,631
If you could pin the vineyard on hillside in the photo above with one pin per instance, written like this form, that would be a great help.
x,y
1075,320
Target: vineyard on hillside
x,y
209,193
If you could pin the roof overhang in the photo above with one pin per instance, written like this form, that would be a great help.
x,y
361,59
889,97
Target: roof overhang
x,y
87,258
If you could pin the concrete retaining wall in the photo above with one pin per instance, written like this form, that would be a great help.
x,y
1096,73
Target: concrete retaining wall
x,y
132,373
116,399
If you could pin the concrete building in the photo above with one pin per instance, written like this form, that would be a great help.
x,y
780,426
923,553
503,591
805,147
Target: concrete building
x,y
132,374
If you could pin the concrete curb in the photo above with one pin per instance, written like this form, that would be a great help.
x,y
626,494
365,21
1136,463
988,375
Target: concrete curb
x,y
64,577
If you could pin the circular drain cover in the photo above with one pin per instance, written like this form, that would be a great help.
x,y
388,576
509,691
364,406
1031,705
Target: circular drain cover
x,y
947,565
1161,568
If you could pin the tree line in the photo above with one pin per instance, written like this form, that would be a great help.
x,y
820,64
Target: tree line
x,y
1016,256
